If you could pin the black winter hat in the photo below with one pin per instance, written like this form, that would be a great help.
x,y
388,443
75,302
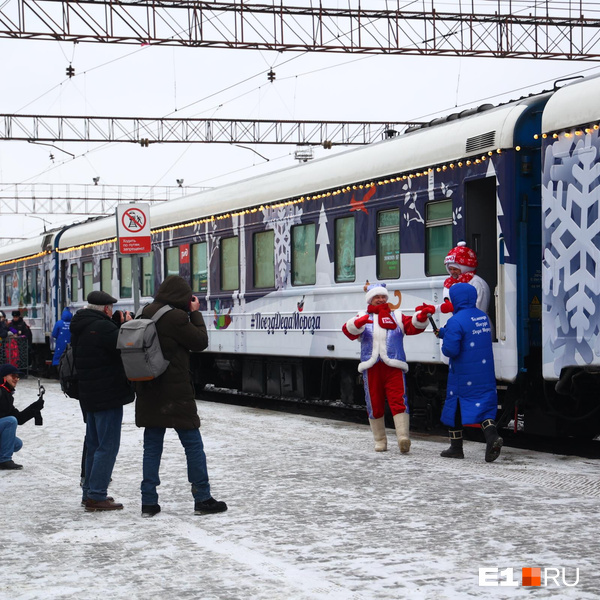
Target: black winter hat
x,y
100,298
16,313
8,370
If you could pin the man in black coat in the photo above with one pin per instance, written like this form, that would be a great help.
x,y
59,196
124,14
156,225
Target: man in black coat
x,y
103,391
10,417
168,401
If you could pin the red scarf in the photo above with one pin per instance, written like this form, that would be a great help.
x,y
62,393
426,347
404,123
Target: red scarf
x,y
385,316
463,278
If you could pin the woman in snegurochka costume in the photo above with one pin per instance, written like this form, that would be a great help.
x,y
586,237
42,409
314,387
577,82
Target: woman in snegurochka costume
x,y
461,264
383,361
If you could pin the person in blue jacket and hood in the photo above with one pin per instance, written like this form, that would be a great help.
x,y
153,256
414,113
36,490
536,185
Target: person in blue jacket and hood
x,y
471,396
62,334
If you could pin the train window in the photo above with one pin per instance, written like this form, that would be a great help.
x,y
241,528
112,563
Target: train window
x,y
30,286
88,278
106,275
7,289
199,267
148,275
438,236
304,267
388,244
264,259
126,280
172,261
74,283
230,263
344,250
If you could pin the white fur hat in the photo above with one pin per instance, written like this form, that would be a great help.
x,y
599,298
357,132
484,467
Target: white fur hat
x,y
376,289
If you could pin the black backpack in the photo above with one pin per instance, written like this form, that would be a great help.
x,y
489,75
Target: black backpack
x,y
67,375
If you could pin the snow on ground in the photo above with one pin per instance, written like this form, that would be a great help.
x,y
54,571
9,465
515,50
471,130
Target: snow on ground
x,y
314,513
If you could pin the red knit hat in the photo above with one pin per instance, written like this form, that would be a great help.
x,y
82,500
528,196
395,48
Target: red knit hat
x,y
462,258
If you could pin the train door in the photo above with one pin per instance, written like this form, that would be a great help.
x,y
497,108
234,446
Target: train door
x,y
480,209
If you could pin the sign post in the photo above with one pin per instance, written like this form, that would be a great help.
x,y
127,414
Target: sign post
x,y
133,238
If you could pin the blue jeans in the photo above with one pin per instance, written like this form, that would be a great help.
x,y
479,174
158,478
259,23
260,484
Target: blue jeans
x,y
9,442
191,440
102,438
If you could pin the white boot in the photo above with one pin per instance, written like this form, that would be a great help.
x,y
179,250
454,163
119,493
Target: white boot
x,y
378,429
402,423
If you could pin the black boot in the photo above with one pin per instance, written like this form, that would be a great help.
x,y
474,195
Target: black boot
x,y
456,445
493,442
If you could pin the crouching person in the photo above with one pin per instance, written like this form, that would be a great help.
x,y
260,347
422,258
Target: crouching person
x,y
10,417
471,396
383,361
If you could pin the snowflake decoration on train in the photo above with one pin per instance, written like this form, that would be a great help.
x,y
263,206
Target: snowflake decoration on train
x,y
282,219
570,199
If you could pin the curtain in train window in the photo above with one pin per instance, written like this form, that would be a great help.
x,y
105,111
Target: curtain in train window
x,y
438,236
88,278
264,259
345,250
148,275
388,244
172,261
199,267
48,287
74,283
7,289
230,263
106,275
304,266
126,282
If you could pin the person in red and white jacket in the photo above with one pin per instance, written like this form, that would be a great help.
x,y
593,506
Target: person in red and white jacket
x,y
383,361
461,264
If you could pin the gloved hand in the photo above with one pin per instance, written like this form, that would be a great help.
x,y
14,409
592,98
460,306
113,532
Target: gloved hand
x,y
441,333
424,311
446,306
38,405
362,321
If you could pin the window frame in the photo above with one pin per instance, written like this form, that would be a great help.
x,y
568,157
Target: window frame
x,y
386,230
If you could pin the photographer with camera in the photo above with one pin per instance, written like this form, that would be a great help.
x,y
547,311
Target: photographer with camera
x,y
10,417
168,401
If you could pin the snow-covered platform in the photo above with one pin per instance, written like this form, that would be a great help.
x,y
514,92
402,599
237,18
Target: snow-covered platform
x,y
314,513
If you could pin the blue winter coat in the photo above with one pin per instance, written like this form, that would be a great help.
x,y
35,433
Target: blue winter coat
x,y
62,334
467,342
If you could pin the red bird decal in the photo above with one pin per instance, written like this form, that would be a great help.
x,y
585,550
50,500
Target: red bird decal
x,y
360,204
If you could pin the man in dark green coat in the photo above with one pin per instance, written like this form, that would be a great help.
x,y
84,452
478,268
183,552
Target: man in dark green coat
x,y
169,401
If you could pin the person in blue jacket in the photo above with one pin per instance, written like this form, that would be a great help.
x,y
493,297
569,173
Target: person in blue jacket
x,y
62,334
471,396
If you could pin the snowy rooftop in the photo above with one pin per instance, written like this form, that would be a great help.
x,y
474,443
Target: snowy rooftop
x,y
314,513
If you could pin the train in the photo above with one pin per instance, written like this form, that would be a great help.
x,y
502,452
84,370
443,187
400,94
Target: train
x,y
281,261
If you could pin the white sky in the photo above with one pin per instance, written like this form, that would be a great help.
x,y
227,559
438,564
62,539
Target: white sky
x,y
119,81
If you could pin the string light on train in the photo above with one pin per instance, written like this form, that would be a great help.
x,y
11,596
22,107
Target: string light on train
x,y
577,132
300,200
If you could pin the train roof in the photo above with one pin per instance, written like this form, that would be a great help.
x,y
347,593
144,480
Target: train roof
x,y
451,140
573,105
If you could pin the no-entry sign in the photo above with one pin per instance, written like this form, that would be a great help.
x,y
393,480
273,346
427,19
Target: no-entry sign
x,y
133,228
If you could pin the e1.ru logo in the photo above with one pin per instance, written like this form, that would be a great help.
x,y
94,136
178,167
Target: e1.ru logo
x,y
530,577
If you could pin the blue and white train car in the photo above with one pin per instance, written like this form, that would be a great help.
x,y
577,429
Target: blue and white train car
x,y
280,261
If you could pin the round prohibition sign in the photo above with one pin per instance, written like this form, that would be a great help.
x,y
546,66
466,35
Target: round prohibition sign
x,y
134,220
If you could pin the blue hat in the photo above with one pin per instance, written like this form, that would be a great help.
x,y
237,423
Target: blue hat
x,y
376,289
8,370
